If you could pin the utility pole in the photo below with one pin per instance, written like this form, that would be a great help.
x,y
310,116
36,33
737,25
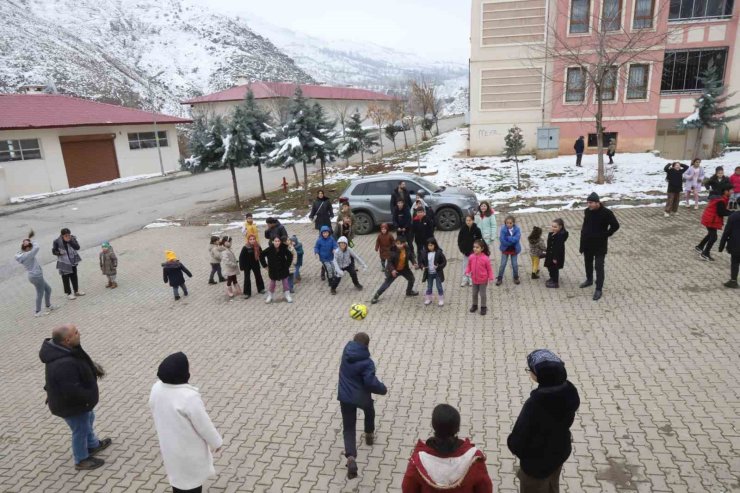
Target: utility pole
x,y
154,117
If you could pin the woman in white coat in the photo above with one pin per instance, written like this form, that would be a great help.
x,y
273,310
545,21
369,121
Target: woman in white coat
x,y
186,433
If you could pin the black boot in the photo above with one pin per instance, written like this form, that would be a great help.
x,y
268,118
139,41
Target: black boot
x,y
473,308
483,310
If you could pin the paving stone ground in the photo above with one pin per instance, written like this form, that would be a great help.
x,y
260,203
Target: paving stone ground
x,y
655,361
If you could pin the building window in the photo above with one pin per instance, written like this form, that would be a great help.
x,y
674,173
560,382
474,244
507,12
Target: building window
x,y
575,86
611,15
699,9
607,137
609,85
643,14
579,16
682,68
637,81
145,140
19,150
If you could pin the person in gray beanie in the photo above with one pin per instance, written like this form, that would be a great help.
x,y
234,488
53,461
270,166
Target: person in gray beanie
x,y
541,436
599,223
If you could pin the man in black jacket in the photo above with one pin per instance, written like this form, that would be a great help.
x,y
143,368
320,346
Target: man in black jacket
x,y
579,147
731,240
72,392
541,436
275,230
599,223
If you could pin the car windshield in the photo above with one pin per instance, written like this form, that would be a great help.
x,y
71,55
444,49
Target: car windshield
x,y
429,185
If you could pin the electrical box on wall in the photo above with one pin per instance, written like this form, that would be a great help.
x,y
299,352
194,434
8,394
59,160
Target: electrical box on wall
x,y
548,142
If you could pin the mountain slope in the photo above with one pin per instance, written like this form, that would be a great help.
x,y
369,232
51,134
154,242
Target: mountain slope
x,y
107,49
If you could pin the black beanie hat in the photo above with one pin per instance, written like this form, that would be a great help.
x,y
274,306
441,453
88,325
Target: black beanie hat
x,y
175,369
594,197
445,421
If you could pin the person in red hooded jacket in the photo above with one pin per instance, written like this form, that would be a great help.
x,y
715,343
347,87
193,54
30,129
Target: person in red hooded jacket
x,y
713,219
446,463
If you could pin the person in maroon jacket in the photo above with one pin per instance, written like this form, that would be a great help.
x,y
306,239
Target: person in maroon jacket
x,y
445,462
713,218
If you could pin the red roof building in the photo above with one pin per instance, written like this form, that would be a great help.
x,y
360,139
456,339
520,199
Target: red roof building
x,y
269,90
50,142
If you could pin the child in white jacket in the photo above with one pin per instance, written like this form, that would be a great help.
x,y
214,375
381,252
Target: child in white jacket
x,y
345,258
186,434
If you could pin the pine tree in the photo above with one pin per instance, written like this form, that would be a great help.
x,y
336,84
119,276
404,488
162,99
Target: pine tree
x,y
358,139
711,111
323,132
391,131
514,142
296,143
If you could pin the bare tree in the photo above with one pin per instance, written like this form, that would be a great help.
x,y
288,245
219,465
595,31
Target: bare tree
x,y
378,115
424,98
399,109
595,62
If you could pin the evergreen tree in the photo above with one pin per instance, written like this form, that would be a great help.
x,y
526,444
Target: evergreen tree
x,y
711,111
391,131
358,139
514,142
323,131
198,137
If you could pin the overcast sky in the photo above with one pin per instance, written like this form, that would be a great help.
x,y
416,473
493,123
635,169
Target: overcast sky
x,y
436,29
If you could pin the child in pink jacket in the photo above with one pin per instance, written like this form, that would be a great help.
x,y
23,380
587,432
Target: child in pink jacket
x,y
480,272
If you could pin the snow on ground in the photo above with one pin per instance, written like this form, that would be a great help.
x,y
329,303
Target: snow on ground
x,y
556,183
83,188
161,224
259,215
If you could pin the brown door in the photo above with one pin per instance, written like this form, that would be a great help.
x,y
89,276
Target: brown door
x,y
89,159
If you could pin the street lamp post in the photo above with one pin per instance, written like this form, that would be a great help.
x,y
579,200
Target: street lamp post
x,y
154,118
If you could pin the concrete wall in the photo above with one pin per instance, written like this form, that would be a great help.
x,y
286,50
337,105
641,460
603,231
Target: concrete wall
x,y
49,174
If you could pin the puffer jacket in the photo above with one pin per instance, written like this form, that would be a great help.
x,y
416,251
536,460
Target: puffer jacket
x,y
487,226
479,268
383,244
278,261
509,241
108,262
714,214
214,251
325,247
229,265
71,379
172,272
357,380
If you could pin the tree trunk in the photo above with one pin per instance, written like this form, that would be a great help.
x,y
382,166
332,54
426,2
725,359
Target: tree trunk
x,y
518,181
418,160
262,184
405,140
600,176
436,123
295,174
323,167
344,139
394,145
362,156
305,179
380,135
236,188
697,146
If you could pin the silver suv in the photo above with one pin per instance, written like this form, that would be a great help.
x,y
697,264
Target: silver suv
x,y
370,199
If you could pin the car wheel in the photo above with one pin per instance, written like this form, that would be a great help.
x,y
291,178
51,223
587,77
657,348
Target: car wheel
x,y
448,219
363,223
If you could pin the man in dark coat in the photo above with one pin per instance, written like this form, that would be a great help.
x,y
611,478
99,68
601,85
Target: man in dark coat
x,y
579,147
423,228
275,230
731,240
541,436
599,223
357,383
321,210
400,193
72,392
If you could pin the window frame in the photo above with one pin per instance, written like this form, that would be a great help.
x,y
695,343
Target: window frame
x,y
619,18
607,135
651,18
585,86
135,140
685,65
21,150
587,22
614,98
648,76
727,8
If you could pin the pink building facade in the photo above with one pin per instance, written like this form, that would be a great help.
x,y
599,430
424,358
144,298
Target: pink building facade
x,y
650,89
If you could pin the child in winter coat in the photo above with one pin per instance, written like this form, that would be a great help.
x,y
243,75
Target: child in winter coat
x,y
433,261
486,222
463,463
383,244
399,264
324,248
717,182
555,257
214,251
509,237
109,264
467,235
713,219
230,268
674,175
345,259
250,262
536,250
291,272
692,180
278,259
345,227
172,272
249,227
423,229
299,257
479,270
402,220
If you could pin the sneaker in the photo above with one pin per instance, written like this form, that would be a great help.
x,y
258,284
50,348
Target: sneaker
x,y
375,299
428,299
71,297
705,258
80,293
463,283
359,287
288,297
292,291
483,310
177,298
499,281
597,295
269,298
333,290
585,284
731,284
516,280
698,249
212,282
51,308
261,291
41,314
696,207
473,309
441,300
552,284
351,468
665,214
369,438
247,296
412,293
104,444
89,464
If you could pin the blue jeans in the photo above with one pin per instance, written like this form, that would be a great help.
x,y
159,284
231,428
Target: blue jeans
x,y
431,280
83,436
298,265
514,266
43,290
184,290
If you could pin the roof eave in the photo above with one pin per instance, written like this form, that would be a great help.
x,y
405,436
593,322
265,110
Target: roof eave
x,y
149,122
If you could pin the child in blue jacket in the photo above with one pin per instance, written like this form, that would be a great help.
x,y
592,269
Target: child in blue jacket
x,y
324,248
509,236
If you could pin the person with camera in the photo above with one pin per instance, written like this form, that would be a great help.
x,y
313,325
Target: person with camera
x,y
65,250
27,258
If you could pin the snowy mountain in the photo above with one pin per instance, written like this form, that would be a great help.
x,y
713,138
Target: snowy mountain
x,y
107,49
365,65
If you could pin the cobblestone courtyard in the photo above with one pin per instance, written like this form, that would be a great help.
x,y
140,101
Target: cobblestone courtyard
x,y
656,362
